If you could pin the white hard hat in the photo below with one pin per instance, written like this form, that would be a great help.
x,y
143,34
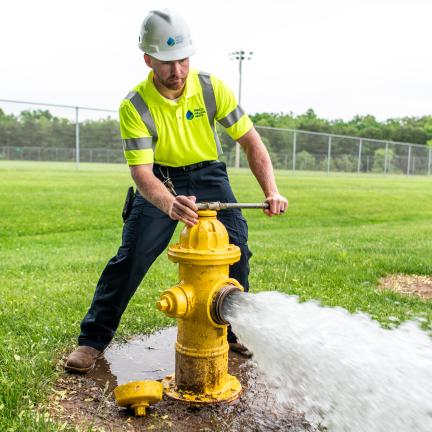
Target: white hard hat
x,y
165,36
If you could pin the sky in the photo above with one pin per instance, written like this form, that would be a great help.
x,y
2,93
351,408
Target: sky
x,y
339,57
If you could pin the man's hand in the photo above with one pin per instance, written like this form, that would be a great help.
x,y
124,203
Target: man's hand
x,y
183,208
180,208
278,204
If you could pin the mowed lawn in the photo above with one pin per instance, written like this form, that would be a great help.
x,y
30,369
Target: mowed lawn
x,y
59,226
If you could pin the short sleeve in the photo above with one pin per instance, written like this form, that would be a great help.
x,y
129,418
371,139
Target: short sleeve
x,y
137,141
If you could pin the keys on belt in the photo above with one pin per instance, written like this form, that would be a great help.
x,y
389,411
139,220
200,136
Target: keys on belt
x,y
169,185
167,181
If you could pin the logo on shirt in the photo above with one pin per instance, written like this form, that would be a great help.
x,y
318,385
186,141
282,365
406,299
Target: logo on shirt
x,y
195,113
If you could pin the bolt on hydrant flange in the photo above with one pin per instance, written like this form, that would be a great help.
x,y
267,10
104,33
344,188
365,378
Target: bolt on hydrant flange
x,y
204,255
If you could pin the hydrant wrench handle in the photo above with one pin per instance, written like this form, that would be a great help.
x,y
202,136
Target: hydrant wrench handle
x,y
217,205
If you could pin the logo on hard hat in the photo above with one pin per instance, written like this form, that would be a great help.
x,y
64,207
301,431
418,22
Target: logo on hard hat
x,y
171,41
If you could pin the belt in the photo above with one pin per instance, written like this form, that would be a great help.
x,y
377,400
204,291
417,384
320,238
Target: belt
x,y
186,167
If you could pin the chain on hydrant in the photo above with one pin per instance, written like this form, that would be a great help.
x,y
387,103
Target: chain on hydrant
x,y
204,255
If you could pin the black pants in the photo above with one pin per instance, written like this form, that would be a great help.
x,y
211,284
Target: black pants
x,y
146,234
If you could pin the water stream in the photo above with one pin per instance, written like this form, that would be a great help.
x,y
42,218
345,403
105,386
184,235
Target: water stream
x,y
344,371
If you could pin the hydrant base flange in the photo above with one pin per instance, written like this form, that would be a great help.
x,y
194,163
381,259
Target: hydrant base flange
x,y
230,392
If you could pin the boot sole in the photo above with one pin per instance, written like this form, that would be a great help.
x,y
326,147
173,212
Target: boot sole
x,y
79,370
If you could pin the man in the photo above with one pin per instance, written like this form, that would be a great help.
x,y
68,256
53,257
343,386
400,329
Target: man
x,y
168,127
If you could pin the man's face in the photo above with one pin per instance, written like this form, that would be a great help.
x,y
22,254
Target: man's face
x,y
171,74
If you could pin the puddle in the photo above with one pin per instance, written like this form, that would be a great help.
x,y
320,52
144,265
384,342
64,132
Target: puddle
x,y
88,400
143,358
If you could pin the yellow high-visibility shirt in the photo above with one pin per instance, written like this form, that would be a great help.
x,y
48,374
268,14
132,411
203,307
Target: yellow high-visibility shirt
x,y
182,132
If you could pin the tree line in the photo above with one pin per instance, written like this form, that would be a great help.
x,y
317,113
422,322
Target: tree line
x,y
415,130
40,128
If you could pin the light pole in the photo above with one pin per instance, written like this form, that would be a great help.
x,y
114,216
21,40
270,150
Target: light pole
x,y
240,56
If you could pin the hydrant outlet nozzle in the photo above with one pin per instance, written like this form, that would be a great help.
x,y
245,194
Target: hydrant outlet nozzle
x,y
174,302
218,302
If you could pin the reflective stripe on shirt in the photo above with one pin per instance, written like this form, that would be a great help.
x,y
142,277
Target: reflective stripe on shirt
x,y
210,104
142,109
138,143
233,117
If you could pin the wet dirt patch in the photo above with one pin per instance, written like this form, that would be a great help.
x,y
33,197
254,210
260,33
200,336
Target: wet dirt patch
x,y
88,401
415,285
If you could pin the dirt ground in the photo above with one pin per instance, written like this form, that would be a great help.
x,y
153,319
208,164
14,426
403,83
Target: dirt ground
x,y
88,402
420,286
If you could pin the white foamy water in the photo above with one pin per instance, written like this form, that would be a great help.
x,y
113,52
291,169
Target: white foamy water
x,y
344,371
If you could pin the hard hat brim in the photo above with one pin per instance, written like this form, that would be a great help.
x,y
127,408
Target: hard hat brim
x,y
173,55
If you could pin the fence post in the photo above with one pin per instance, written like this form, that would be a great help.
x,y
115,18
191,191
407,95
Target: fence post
x,y
77,138
386,158
430,161
295,151
359,156
409,160
329,154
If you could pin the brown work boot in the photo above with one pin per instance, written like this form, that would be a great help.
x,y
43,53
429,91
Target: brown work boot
x,y
82,360
240,349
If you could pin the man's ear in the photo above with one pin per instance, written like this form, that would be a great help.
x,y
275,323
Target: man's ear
x,y
148,60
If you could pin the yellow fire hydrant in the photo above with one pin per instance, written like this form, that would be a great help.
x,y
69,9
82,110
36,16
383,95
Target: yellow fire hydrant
x,y
201,367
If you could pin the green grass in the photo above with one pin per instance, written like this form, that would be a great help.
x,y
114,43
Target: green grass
x,y
59,226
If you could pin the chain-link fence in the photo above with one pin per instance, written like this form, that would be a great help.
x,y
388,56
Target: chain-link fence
x,y
45,136
312,151
61,154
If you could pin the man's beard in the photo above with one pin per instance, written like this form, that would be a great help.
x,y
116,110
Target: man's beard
x,y
172,83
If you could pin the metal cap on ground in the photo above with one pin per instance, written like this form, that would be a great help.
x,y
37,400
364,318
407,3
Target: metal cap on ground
x,y
138,395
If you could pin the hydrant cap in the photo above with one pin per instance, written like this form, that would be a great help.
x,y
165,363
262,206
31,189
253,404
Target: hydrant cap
x,y
139,395
207,234
206,241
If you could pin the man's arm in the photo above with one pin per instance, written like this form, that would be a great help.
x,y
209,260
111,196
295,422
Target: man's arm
x,y
262,168
181,207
